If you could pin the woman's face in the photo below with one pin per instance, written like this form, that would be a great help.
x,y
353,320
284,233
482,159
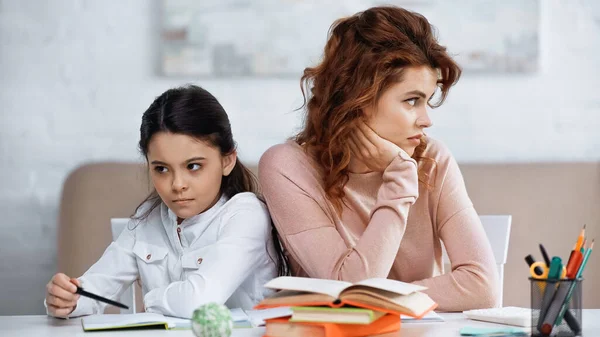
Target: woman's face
x,y
400,115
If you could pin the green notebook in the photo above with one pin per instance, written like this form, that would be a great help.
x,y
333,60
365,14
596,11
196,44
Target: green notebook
x,y
107,322
344,315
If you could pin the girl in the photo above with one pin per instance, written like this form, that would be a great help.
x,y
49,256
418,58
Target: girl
x,y
201,236
361,192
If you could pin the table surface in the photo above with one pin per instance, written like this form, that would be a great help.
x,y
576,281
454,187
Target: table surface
x,y
42,326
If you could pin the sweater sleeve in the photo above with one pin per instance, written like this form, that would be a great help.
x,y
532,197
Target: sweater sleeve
x,y
307,225
473,281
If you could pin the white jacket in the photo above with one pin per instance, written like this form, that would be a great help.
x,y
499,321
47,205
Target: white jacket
x,y
221,256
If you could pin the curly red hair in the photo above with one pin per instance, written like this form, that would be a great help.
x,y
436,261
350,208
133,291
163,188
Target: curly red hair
x,y
365,54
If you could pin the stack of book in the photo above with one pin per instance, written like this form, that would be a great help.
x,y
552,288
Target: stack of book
x,y
331,308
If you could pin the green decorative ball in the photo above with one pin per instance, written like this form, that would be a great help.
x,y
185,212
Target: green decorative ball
x,y
212,320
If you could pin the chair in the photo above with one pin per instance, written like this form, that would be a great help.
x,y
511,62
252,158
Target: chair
x,y
497,229
117,225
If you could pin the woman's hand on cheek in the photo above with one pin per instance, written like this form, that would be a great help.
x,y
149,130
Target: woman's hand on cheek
x,y
372,150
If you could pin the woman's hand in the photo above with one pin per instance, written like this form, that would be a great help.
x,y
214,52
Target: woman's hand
x,y
373,151
61,298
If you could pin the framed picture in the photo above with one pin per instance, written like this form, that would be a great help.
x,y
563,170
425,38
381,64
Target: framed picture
x,y
279,38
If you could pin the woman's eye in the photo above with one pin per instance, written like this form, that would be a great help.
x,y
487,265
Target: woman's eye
x,y
194,167
412,101
160,169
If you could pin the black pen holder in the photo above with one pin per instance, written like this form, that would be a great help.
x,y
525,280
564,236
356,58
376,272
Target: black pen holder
x,y
548,298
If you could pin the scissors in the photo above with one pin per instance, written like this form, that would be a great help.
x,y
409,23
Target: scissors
x,y
545,271
556,275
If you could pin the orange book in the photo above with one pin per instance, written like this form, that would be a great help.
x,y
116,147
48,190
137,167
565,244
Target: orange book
x,y
281,327
389,296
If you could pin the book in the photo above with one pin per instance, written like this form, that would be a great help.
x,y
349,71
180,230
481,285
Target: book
x,y
106,322
344,315
282,327
377,294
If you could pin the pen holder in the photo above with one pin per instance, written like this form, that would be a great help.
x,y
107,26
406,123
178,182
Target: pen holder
x,y
556,307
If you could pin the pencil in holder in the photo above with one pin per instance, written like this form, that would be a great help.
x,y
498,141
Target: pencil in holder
x,y
556,307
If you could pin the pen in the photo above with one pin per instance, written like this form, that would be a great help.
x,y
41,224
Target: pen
x,y
575,260
545,255
550,289
82,292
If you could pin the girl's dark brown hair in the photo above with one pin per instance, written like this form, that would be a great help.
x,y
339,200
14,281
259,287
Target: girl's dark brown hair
x,y
365,54
195,112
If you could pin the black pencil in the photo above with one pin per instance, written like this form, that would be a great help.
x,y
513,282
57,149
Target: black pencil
x,y
82,292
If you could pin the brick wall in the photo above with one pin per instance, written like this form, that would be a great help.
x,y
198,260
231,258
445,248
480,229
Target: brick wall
x,y
77,75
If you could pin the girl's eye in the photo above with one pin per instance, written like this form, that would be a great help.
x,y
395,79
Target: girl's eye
x,y
412,101
160,169
194,167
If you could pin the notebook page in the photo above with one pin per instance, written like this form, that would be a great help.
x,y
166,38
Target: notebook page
x,y
178,323
103,321
394,286
332,288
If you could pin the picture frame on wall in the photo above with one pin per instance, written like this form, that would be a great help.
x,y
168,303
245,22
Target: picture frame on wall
x,y
279,38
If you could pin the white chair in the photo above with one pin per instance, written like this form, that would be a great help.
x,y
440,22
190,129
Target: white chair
x,y
497,229
117,225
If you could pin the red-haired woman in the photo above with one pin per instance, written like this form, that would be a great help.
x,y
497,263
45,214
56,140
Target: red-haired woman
x,y
361,191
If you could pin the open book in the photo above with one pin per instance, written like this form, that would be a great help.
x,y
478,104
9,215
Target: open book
x,y
377,294
104,322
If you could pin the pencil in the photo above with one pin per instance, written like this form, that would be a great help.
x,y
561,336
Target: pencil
x,y
580,238
82,292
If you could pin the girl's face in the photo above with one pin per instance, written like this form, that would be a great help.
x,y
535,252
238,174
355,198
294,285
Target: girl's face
x,y
187,172
400,115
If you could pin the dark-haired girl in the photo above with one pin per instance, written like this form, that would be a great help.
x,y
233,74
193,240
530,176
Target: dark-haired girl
x,y
202,236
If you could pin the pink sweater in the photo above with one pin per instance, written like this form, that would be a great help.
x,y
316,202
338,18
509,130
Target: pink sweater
x,y
391,225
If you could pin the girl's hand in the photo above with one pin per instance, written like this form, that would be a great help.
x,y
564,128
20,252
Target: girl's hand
x,y
372,150
61,298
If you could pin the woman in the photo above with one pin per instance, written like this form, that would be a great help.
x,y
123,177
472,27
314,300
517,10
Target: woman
x,y
361,192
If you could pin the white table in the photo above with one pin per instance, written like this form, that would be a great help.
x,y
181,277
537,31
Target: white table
x,y
42,326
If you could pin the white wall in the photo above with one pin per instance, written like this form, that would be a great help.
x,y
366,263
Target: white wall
x,y
76,76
